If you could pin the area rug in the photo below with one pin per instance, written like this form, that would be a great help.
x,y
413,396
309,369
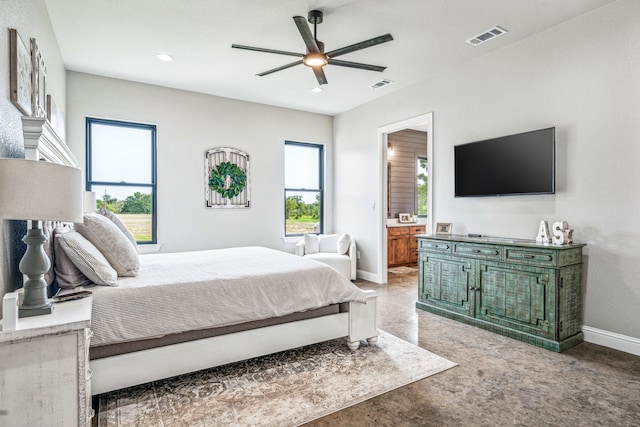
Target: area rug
x,y
283,389
403,270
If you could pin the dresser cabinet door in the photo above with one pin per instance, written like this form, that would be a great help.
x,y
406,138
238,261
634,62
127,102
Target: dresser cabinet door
x,y
446,283
516,297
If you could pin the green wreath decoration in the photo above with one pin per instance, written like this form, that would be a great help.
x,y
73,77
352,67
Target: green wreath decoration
x,y
237,175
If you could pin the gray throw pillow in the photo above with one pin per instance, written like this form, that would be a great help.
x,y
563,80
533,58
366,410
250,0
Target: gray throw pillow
x,y
113,244
68,274
88,259
47,230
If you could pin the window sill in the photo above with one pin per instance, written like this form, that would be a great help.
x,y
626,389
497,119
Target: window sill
x,y
149,249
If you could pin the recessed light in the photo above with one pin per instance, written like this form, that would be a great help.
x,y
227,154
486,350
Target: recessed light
x,y
165,57
316,89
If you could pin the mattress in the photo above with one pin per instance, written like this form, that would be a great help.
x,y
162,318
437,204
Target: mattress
x,y
188,291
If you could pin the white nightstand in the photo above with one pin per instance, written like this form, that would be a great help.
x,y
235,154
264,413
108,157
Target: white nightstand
x,y
44,368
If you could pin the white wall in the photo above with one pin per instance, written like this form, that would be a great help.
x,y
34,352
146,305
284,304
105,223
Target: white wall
x,y
188,124
583,78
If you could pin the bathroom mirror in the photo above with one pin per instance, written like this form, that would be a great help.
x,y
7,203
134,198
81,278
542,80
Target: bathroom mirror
x,y
407,173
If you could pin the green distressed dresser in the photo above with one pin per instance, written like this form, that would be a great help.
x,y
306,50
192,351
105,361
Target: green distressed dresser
x,y
519,288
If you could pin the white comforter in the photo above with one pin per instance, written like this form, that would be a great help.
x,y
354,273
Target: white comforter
x,y
178,292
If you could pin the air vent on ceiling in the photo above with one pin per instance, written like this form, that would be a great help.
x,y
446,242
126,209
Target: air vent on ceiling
x,y
486,36
381,84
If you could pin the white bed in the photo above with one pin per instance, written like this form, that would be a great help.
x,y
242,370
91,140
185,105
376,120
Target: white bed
x,y
182,292
181,283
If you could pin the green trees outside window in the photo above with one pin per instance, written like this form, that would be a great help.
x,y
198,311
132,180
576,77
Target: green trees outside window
x,y
422,192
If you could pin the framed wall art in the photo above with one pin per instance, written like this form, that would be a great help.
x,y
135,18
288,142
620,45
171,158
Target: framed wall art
x,y
20,73
55,117
38,82
226,178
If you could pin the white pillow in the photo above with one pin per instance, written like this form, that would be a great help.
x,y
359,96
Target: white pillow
x,y
311,244
343,243
118,222
113,244
328,243
87,258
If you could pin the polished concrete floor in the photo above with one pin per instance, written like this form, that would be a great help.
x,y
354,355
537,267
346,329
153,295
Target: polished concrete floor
x,y
499,381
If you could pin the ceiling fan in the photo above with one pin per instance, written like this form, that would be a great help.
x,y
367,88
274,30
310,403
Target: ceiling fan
x,y
316,57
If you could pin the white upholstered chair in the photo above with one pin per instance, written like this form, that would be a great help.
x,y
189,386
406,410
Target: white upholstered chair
x,y
336,250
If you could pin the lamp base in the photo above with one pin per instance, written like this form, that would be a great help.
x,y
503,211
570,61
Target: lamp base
x,y
34,264
35,311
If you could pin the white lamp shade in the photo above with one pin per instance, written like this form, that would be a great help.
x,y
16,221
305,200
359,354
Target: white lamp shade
x,y
90,199
40,191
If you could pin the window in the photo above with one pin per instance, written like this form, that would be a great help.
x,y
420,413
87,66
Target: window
x,y
303,192
422,175
121,170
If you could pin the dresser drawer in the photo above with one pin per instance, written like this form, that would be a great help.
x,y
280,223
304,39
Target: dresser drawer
x,y
531,256
478,251
435,246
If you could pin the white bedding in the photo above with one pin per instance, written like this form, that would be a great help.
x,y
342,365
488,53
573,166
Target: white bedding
x,y
185,291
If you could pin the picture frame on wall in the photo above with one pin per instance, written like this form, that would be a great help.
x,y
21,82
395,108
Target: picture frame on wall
x,y
38,82
20,73
443,227
55,117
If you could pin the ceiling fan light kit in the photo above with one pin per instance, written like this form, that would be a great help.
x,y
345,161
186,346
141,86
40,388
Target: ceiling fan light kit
x,y
315,57
315,60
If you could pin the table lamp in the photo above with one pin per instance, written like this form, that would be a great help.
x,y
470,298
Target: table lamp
x,y
38,191
90,199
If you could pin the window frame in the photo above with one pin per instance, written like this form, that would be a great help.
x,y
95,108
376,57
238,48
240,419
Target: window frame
x,y
426,159
320,148
89,182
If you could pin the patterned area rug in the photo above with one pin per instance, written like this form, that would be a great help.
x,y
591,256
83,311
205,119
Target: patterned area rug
x,y
283,389
403,270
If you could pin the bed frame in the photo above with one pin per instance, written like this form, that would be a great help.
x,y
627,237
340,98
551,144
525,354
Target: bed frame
x,y
126,370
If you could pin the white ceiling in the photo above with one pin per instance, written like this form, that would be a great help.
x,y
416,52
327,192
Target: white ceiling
x,y
120,38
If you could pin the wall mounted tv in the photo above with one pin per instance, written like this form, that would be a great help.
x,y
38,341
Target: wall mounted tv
x,y
509,165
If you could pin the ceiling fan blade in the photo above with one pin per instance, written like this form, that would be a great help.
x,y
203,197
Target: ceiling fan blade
x,y
261,49
319,72
284,67
305,32
356,65
358,46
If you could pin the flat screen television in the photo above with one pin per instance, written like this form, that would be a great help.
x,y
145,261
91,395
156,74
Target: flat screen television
x,y
509,165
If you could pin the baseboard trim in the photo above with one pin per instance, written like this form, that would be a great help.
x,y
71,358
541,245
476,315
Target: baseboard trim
x,y
371,277
612,340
